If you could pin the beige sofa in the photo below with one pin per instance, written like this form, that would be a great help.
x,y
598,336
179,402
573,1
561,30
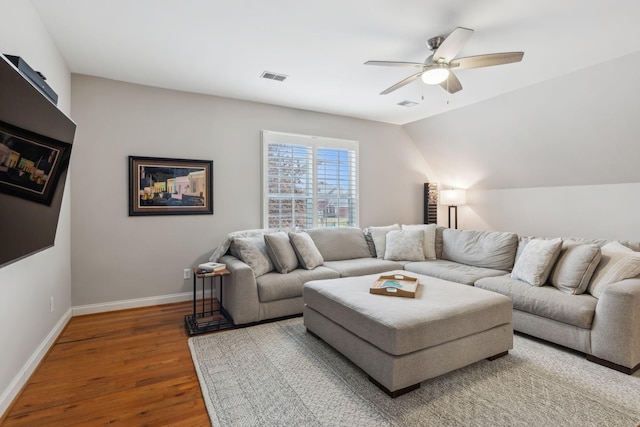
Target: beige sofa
x,y
605,326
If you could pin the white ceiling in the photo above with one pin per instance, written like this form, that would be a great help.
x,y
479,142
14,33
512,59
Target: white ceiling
x,y
221,47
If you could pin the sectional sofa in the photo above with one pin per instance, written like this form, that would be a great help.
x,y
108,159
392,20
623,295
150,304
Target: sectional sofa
x,y
579,293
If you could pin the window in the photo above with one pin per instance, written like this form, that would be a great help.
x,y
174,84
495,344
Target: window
x,y
309,181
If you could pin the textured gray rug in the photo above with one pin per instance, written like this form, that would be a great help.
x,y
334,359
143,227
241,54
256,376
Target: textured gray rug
x,y
276,374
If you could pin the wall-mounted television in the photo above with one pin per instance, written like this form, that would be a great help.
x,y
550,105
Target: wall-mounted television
x,y
35,148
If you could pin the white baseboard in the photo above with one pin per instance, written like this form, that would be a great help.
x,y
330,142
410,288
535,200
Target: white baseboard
x,y
80,310
21,379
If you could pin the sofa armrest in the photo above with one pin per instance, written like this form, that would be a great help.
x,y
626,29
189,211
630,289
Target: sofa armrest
x,y
240,296
615,334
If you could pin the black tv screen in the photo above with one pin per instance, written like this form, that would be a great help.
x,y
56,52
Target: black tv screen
x,y
35,147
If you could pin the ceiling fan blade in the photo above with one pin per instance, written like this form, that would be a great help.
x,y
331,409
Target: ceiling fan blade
x,y
404,82
395,63
453,44
452,84
486,60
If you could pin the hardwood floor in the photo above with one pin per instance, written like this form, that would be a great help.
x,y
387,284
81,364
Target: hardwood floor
x,y
129,367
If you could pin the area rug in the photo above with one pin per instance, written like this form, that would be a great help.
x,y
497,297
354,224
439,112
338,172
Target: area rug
x,y
277,374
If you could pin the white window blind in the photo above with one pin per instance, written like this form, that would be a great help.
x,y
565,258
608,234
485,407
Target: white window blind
x,y
309,181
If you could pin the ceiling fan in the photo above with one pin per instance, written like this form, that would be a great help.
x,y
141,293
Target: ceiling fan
x,y
438,67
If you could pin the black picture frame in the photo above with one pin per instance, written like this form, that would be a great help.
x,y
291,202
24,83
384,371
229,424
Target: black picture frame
x,y
31,164
166,186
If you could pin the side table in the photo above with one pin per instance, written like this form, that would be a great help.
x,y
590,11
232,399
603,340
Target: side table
x,y
216,317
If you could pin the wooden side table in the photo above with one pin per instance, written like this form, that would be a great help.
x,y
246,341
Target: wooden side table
x,y
213,319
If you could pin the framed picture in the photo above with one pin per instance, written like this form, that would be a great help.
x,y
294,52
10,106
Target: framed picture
x,y
31,164
160,186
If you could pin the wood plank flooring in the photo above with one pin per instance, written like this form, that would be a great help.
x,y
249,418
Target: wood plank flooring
x,y
129,367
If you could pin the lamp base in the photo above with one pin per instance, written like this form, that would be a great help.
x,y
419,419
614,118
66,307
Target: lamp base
x,y
455,216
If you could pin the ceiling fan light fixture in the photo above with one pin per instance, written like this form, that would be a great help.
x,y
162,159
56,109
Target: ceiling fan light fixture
x,y
435,76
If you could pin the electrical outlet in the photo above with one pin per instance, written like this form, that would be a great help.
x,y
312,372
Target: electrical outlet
x,y
51,305
187,273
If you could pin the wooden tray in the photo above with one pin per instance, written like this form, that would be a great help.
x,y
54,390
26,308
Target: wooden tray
x,y
395,285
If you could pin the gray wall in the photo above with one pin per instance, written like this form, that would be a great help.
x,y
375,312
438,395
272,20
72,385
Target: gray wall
x,y
117,257
556,158
27,325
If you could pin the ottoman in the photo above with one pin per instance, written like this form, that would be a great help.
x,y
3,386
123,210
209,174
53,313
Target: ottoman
x,y
400,342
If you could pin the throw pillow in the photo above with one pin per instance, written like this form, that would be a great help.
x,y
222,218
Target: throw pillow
x,y
306,251
574,268
281,252
522,243
369,239
404,245
429,244
379,236
618,262
227,243
253,252
535,262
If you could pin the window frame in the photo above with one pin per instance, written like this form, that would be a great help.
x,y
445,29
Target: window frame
x,y
314,142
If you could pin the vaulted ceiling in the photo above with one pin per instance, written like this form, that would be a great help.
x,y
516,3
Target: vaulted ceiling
x,y
221,47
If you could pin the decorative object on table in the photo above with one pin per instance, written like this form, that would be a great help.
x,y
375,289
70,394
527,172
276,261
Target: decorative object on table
x,y
396,285
31,164
212,266
162,186
453,198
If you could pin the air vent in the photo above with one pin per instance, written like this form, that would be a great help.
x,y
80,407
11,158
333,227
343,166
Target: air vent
x,y
273,76
407,104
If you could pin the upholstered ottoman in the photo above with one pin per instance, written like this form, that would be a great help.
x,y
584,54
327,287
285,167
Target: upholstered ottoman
x,y
400,342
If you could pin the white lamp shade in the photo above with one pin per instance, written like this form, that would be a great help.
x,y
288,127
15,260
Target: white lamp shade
x,y
452,197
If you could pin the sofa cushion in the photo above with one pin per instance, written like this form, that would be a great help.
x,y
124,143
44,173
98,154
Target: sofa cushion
x,y
574,267
308,254
535,263
379,237
281,252
487,249
617,263
253,252
452,271
340,243
429,243
545,301
362,266
405,245
275,286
